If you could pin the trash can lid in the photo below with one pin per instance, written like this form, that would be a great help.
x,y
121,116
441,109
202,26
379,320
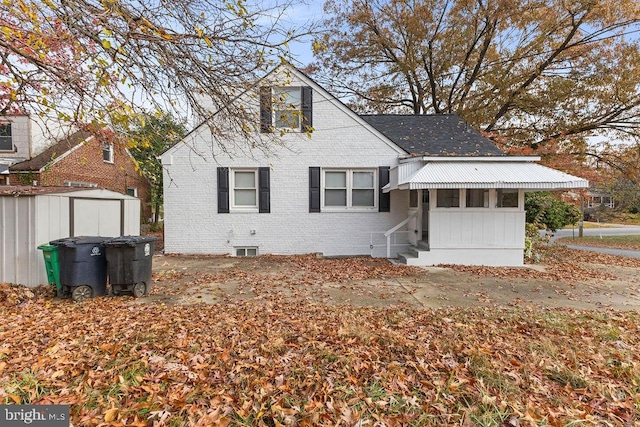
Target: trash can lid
x,y
46,247
130,240
79,240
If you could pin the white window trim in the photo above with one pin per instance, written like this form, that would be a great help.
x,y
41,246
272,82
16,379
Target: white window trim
x,y
276,103
493,201
245,248
9,137
461,200
80,184
349,207
520,196
135,191
111,153
232,190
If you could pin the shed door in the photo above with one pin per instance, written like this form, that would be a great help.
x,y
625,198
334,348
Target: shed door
x,y
96,217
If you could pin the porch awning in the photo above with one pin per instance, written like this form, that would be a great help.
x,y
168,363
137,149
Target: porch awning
x,y
4,169
475,174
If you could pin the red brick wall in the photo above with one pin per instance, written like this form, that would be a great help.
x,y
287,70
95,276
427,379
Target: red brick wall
x,y
85,164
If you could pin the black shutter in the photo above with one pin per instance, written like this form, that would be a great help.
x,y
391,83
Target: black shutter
x,y
307,105
384,199
265,110
264,191
223,190
314,189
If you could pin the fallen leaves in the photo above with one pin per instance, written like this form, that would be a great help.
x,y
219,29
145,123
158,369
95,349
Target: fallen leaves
x,y
280,361
560,264
262,363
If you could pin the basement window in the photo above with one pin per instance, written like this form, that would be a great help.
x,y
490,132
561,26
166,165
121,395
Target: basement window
x,y
80,184
246,251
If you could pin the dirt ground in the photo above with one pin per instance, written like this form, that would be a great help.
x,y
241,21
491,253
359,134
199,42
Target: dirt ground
x,y
375,282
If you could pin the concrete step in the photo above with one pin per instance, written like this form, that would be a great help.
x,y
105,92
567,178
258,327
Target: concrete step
x,y
405,256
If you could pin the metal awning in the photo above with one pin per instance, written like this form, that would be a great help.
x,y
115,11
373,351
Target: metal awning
x,y
478,174
4,169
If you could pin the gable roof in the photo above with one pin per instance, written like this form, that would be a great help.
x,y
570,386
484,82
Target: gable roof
x,y
38,162
303,77
441,135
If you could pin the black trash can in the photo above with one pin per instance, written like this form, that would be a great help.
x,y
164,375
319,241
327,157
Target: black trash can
x,y
129,262
83,266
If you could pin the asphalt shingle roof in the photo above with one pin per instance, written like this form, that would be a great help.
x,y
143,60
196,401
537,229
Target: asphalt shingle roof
x,y
443,135
56,150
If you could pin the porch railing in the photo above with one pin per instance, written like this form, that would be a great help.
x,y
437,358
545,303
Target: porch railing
x,y
389,232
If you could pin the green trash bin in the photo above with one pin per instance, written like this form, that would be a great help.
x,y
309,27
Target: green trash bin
x,y
52,265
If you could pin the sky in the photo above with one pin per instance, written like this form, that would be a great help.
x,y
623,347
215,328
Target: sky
x,y
298,15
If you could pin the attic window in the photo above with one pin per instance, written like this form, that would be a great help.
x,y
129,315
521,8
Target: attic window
x,y
286,108
6,143
107,153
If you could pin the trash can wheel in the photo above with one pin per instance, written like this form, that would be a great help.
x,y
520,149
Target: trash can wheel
x,y
81,293
139,289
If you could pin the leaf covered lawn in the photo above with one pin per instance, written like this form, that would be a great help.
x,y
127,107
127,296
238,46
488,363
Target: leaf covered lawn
x,y
301,364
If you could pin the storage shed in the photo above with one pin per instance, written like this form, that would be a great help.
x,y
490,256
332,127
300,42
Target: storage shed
x,y
31,216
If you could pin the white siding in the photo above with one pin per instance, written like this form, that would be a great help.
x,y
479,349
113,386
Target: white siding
x,y
20,137
17,261
469,228
340,140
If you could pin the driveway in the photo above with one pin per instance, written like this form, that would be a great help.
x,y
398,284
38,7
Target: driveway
x,y
568,279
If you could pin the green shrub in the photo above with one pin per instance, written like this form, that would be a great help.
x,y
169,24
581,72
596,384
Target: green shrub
x,y
544,210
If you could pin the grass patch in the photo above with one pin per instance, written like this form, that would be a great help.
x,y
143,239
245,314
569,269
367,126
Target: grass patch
x,y
566,377
618,242
26,388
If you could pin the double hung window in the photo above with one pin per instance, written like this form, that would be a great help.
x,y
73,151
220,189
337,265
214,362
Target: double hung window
x,y
287,107
6,143
244,186
107,153
349,188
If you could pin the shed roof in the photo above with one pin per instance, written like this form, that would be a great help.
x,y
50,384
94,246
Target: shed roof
x,y
483,174
30,190
27,190
36,163
433,135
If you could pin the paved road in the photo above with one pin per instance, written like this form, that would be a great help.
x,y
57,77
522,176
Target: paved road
x,y
604,231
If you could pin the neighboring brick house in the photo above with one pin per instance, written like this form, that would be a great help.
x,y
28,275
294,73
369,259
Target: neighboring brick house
x,y
84,160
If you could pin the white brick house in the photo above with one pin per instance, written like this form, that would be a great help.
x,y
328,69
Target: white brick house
x,y
15,142
359,185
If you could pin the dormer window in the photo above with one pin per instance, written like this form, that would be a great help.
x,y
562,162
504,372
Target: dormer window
x,y
6,142
107,153
286,108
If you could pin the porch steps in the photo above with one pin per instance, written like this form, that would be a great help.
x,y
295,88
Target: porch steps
x,y
413,253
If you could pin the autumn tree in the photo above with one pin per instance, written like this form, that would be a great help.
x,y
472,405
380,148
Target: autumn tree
x,y
149,139
526,72
103,62
618,173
